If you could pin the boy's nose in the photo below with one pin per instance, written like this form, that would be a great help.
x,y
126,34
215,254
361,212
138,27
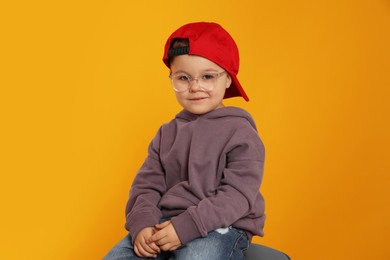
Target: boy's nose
x,y
194,87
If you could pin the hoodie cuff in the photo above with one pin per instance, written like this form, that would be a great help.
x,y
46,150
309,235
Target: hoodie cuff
x,y
185,227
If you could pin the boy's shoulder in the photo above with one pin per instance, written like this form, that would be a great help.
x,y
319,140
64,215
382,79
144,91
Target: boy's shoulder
x,y
232,115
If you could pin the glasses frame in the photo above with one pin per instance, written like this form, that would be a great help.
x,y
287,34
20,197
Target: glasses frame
x,y
217,75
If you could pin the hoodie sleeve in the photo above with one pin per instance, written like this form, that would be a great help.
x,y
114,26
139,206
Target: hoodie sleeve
x,y
238,193
146,191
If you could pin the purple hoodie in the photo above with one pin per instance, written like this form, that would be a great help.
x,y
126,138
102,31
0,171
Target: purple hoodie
x,y
205,172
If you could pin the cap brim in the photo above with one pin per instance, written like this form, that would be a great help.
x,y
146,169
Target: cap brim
x,y
235,89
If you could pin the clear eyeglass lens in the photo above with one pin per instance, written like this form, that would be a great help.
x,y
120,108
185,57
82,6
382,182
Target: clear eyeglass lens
x,y
181,81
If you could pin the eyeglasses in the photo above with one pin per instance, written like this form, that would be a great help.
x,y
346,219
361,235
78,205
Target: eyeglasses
x,y
181,81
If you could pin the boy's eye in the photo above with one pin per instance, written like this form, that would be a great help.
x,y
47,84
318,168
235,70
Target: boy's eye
x,y
183,77
208,76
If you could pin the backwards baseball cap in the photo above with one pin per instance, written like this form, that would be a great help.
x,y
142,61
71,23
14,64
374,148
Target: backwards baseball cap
x,y
211,41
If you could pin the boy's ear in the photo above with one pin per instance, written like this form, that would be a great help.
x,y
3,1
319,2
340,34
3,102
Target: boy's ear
x,y
229,80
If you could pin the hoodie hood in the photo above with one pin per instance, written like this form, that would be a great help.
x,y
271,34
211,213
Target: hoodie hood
x,y
218,113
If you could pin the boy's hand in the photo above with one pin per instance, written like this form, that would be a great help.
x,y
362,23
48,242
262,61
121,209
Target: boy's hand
x,y
141,247
165,237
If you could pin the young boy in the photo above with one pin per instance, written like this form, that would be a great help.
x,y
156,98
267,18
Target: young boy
x,y
197,194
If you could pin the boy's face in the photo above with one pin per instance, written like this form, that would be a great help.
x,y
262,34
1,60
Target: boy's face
x,y
197,100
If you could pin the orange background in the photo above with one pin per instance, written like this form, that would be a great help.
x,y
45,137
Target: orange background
x,y
83,91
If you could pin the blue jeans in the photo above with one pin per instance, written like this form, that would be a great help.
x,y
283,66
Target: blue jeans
x,y
216,246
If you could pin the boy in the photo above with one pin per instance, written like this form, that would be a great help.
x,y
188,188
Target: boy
x,y
197,194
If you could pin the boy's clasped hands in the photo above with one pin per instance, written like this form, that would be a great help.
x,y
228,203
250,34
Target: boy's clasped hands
x,y
151,240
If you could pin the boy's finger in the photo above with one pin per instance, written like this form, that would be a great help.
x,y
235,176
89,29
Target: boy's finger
x,y
163,225
167,247
157,236
145,246
150,249
136,251
162,242
153,246
145,253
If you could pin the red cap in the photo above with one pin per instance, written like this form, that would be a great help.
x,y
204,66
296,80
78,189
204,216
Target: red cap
x,y
211,41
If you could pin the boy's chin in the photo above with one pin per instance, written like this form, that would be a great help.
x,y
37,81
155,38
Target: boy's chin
x,y
200,110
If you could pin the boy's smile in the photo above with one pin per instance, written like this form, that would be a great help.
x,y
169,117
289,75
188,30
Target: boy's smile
x,y
196,99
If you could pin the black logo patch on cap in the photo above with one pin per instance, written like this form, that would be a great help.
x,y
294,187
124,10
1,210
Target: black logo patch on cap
x,y
178,51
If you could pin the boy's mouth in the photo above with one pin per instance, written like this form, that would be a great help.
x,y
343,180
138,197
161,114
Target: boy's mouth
x,y
197,98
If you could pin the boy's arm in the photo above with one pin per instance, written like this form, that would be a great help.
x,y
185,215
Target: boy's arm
x,y
236,195
145,193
